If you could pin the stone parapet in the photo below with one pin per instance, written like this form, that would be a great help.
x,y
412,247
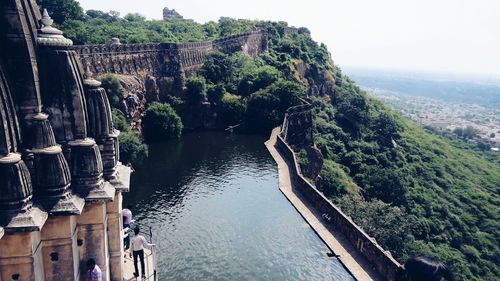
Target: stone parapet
x,y
382,260
297,125
163,59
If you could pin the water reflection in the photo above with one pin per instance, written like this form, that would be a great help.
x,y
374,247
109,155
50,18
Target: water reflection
x,y
217,213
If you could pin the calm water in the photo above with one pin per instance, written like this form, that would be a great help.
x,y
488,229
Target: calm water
x,y
217,214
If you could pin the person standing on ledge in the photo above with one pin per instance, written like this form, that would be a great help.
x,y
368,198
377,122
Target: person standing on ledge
x,y
127,220
94,273
138,244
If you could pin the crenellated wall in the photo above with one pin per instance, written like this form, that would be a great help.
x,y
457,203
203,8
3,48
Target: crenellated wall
x,y
163,59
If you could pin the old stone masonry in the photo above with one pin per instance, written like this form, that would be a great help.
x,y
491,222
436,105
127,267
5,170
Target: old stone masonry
x,y
61,181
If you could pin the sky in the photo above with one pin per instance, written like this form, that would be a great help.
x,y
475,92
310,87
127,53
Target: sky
x,y
448,36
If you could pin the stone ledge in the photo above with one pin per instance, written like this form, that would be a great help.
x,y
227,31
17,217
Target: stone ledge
x,y
104,194
31,220
121,180
57,242
71,205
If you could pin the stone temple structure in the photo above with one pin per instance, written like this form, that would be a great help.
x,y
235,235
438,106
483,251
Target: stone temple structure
x,y
61,182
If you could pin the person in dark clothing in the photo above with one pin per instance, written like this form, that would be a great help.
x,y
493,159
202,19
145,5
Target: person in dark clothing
x,y
425,269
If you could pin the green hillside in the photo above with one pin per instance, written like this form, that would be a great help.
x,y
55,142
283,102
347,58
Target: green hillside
x,y
417,193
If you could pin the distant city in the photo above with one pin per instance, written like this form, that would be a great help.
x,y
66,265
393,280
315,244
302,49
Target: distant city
x,y
437,102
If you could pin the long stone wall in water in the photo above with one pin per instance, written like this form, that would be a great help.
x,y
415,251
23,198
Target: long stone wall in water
x,y
382,260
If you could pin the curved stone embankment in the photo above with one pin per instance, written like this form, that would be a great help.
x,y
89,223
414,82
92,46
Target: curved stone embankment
x,y
358,252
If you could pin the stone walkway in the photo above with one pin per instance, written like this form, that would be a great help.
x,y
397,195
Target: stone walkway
x,y
338,244
128,267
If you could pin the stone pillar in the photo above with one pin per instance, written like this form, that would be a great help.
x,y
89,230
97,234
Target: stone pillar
x,y
51,174
59,249
101,124
20,257
92,238
87,171
115,237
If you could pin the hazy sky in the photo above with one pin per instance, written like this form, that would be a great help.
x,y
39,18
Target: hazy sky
x,y
457,36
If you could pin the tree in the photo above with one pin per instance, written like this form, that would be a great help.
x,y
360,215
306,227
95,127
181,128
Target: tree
x,y
113,89
196,89
263,111
470,132
257,79
232,109
217,68
288,93
135,17
215,93
132,150
161,122
62,10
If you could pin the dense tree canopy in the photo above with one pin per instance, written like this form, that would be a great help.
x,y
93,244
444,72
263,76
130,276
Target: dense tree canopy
x,y
62,10
418,193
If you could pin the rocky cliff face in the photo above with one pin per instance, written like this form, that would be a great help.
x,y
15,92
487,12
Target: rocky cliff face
x,y
171,14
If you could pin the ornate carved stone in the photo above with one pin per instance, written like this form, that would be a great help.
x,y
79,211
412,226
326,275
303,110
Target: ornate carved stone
x,y
52,181
101,125
50,171
87,171
15,183
51,36
40,133
17,212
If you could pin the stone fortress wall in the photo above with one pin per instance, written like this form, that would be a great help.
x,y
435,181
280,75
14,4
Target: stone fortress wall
x,y
295,119
153,72
163,59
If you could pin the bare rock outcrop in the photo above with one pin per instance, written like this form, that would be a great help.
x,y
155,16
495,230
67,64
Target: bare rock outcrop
x,y
171,14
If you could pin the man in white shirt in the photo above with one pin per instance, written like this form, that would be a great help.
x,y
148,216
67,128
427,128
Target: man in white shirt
x,y
127,220
138,244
